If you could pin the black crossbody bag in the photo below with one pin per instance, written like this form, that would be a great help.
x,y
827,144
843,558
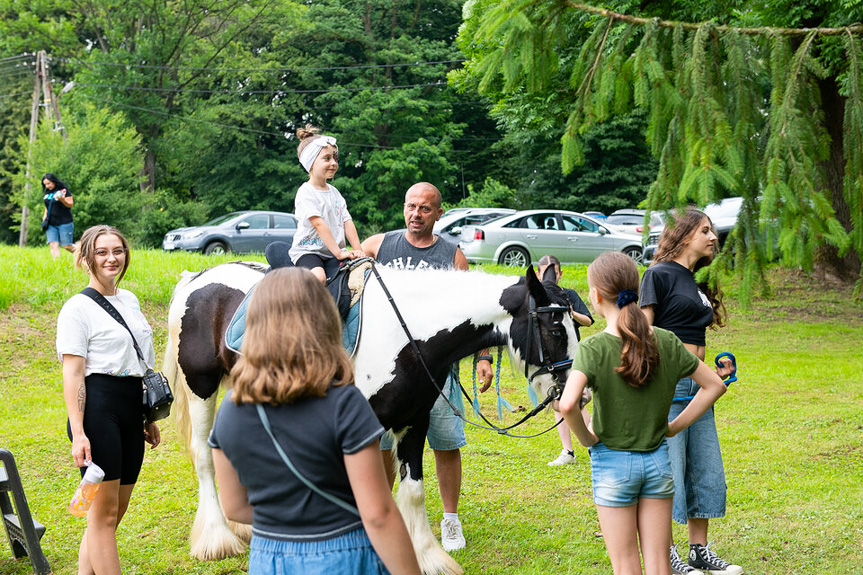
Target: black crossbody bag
x,y
157,398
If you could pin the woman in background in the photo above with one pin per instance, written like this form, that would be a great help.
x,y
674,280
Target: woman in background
x,y
57,217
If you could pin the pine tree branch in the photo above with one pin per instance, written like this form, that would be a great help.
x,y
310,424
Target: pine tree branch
x,y
854,29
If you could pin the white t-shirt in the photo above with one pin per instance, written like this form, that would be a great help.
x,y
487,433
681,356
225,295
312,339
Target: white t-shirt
x,y
87,330
330,206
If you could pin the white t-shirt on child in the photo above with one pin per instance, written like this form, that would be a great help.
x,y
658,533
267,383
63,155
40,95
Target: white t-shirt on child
x,y
330,206
87,330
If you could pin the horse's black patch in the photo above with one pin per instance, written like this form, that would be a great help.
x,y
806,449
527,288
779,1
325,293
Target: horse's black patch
x,y
202,354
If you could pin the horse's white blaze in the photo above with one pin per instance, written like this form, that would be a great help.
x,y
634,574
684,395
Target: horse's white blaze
x,y
467,295
432,558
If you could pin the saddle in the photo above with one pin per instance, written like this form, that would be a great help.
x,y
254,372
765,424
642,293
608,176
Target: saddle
x,y
346,287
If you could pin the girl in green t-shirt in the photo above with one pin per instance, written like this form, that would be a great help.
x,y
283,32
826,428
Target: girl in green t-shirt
x,y
632,369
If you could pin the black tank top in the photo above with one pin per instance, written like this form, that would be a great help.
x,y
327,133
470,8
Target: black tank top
x,y
398,253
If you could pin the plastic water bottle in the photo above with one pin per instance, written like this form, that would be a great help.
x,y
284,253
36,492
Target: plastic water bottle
x,y
86,492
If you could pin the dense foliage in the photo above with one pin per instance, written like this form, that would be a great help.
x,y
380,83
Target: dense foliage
x,y
735,106
215,93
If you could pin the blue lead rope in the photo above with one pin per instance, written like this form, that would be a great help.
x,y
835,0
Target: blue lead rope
x,y
501,402
728,381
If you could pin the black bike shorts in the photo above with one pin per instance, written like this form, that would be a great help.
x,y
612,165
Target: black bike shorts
x,y
114,424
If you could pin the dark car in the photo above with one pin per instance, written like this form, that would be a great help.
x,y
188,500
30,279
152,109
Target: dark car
x,y
241,232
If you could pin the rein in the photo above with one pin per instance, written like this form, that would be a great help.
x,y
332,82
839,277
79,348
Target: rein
x,y
553,393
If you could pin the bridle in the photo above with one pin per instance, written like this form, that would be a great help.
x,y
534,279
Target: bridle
x,y
557,369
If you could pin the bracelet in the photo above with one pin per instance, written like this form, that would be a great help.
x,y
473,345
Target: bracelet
x,y
487,358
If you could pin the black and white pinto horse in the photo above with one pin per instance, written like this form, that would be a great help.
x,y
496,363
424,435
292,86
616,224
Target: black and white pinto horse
x,y
450,315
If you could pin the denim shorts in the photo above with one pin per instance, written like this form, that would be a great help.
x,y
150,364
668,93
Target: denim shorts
x,y
346,554
61,234
620,478
446,431
696,461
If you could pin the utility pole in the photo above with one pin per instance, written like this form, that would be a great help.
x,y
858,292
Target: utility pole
x,y
41,85
34,125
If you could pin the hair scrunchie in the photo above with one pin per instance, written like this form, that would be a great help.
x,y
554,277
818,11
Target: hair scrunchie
x,y
626,297
313,148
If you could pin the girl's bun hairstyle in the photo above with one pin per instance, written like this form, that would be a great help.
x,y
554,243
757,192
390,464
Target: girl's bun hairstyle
x,y
307,132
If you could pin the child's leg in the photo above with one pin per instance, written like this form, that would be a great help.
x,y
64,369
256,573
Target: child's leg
x,y
654,518
619,530
319,273
315,264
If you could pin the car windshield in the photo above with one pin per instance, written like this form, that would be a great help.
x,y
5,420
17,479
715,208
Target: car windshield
x,y
222,219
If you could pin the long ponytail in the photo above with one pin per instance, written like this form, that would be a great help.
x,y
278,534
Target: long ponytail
x,y
615,277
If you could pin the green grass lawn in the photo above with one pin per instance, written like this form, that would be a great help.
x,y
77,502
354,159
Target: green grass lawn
x,y
791,431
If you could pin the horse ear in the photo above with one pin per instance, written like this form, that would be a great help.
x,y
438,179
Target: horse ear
x,y
536,289
550,275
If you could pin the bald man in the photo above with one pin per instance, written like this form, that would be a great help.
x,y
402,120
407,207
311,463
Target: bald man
x,y
418,247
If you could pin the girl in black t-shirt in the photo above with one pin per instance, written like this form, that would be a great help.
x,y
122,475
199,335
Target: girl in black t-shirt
x,y
672,299
299,381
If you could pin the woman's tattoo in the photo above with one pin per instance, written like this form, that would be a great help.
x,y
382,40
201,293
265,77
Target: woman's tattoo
x,y
82,397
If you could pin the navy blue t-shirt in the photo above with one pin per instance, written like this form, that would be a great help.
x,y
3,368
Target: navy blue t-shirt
x,y
315,433
678,305
577,306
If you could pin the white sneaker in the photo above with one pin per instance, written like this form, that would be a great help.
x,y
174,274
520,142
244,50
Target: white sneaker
x,y
451,535
565,458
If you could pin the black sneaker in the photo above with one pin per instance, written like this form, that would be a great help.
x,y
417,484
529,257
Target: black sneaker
x,y
701,557
679,566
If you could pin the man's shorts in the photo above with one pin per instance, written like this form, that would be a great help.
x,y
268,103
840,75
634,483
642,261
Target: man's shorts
x,y
446,431
61,234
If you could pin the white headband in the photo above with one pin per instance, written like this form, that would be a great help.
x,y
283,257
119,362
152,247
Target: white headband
x,y
311,151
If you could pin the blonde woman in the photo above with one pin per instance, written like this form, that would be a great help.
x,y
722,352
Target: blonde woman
x,y
102,388
295,377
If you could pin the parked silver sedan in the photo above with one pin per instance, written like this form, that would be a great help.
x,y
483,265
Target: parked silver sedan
x,y
524,237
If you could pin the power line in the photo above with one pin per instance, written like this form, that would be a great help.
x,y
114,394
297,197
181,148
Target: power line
x,y
241,91
4,96
19,57
295,69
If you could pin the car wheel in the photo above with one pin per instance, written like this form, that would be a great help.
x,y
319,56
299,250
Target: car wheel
x,y
216,248
515,257
635,253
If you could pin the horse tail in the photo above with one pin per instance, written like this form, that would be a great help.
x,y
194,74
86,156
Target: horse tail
x,y
175,375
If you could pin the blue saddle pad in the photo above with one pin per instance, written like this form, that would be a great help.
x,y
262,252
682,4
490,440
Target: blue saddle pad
x,y
237,327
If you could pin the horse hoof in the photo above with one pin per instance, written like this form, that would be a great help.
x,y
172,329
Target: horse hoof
x,y
436,561
215,542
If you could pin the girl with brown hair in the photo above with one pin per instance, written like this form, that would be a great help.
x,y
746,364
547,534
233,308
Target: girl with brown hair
x,y
673,299
296,445
632,370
